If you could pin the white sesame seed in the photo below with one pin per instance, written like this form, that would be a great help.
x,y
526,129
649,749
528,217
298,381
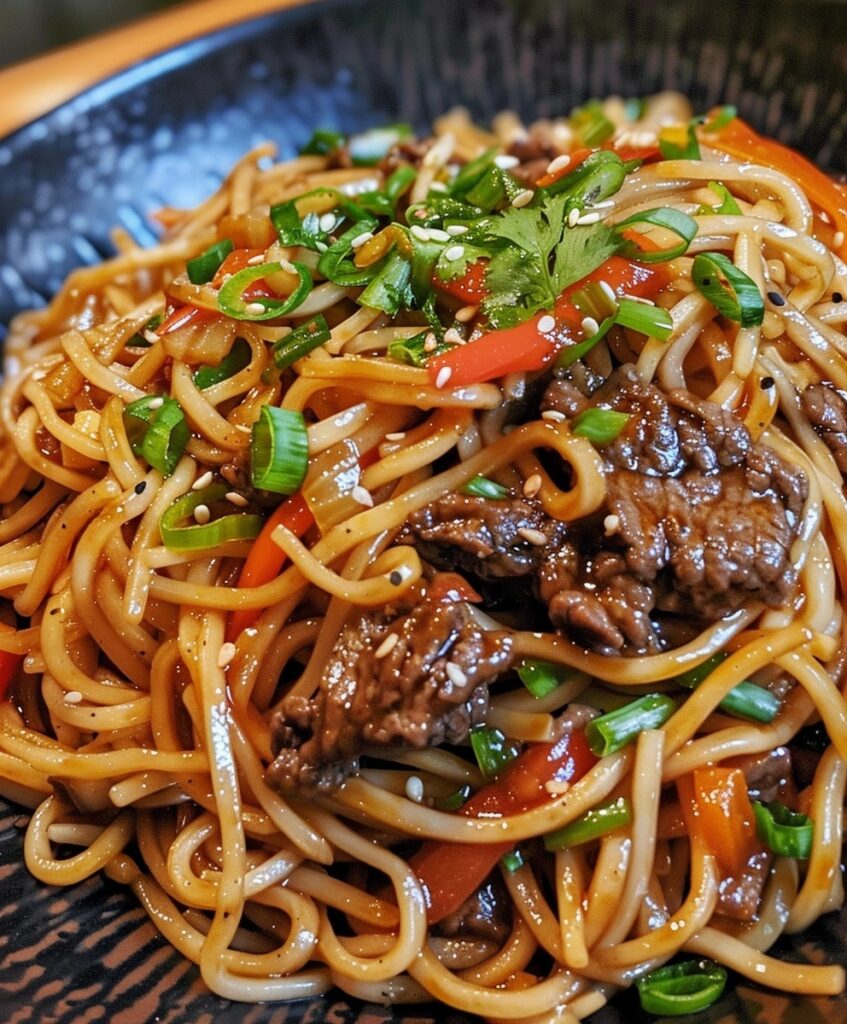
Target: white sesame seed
x,y
523,198
444,374
73,697
254,261
430,342
327,222
590,326
505,161
440,151
438,186
644,138
838,239
457,229
547,324
360,240
455,674
387,645
558,164
608,291
288,266
557,787
437,235
454,252
321,246
611,524
824,216
156,403
226,654
415,789
532,485
453,337
202,481
573,218
420,233
466,313
553,416
150,336
234,498
638,298
589,218
362,495
536,537
605,204
397,436
202,515
254,308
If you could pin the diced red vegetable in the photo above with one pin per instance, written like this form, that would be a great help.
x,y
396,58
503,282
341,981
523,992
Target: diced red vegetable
x,y
470,287
716,807
578,157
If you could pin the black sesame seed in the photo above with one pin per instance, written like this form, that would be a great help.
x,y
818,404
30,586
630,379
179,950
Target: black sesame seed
x,y
140,487
395,578
766,383
776,298
837,297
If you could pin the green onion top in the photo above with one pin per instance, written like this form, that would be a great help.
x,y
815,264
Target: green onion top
x,y
235,360
617,729
482,487
675,221
678,989
302,340
231,296
784,832
600,426
492,749
541,678
157,431
279,450
179,534
594,823
204,267
732,293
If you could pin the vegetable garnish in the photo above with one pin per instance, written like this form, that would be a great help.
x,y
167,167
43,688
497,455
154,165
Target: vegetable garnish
x,y
157,431
512,861
599,821
323,142
231,296
679,223
369,147
716,806
727,204
415,351
203,268
679,142
492,750
653,321
303,339
178,535
730,290
746,700
785,833
541,678
600,426
590,178
390,289
617,729
335,264
482,487
279,450
678,989
236,359
590,124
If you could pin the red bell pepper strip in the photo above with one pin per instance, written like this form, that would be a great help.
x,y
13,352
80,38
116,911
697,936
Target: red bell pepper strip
x,y
577,157
451,872
739,140
470,287
182,316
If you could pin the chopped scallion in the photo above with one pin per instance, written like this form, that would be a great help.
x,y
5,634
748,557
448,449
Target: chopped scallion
x,y
492,749
455,800
335,264
594,300
323,142
727,203
236,359
302,340
597,177
600,426
746,700
679,142
730,290
541,678
512,861
784,832
653,321
279,450
679,223
157,431
591,125
593,824
482,487
676,990
390,290
179,535
231,296
413,351
720,119
203,268
617,729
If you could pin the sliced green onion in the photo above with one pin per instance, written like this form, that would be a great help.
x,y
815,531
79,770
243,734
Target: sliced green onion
x,y
727,204
482,487
597,177
334,264
784,832
413,351
439,209
653,321
382,203
671,150
279,450
323,142
593,824
492,749
455,800
746,700
368,148
471,173
613,731
232,302
399,182
512,861
138,340
157,431
180,536
591,125
236,359
722,117
306,231
683,226
204,267
678,989
390,290
600,426
730,290
490,191
593,300
302,340
541,678
572,353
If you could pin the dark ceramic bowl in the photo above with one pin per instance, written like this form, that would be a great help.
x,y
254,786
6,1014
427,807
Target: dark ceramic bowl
x,y
163,133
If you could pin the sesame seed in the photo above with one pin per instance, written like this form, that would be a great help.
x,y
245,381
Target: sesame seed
x,y
573,217
536,537
362,495
387,646
202,515
254,261
455,674
590,326
444,374
523,198
837,297
553,416
360,240
532,485
776,298
430,342
321,246
455,252
611,524
415,789
420,233
457,229
395,578
140,487
254,308
202,481
557,787
838,239
607,290
824,216
226,654
437,235
234,498
156,403
766,383
438,186
589,218
466,313
453,337
327,222
638,298
604,204
505,161
558,164
73,697
288,266
150,336
396,436
547,324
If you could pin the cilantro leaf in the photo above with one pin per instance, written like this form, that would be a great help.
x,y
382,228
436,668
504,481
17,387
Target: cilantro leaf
x,y
449,270
518,287
582,250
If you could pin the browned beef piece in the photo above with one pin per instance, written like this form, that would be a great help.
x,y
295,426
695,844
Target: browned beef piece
x,y
535,150
486,915
826,410
431,687
739,897
768,775
407,151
